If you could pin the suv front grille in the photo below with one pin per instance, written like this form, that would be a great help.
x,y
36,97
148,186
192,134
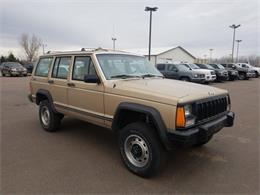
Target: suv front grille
x,y
210,108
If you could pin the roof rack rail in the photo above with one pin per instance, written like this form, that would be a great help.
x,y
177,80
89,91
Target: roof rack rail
x,y
93,49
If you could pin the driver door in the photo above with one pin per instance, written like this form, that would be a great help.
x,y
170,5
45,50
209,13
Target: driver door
x,y
86,100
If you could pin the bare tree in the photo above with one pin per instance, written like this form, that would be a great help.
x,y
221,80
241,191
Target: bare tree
x,y
30,46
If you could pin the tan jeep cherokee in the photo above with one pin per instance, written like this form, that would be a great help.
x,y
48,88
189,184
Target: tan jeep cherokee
x,y
123,92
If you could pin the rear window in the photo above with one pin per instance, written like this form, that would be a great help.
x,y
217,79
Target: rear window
x,y
43,67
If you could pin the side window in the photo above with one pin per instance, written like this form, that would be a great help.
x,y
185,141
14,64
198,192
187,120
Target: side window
x,y
161,66
83,65
172,68
61,67
43,67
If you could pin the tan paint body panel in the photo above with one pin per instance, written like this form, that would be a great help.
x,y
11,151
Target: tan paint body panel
x,y
97,103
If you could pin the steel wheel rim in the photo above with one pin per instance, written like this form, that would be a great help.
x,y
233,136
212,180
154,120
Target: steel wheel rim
x,y
45,115
136,150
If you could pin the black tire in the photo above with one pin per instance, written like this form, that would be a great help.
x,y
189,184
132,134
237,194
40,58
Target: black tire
x,y
201,143
53,123
185,79
152,148
242,76
256,74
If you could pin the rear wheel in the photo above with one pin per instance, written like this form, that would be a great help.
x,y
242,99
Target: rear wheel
x,y
50,120
141,150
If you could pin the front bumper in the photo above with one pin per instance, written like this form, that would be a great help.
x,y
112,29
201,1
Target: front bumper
x,y
250,75
198,80
16,73
197,134
222,77
209,78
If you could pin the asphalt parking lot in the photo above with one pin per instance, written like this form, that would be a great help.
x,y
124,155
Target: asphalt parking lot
x,y
83,158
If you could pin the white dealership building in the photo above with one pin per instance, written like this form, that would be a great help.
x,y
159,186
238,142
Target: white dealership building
x,y
166,54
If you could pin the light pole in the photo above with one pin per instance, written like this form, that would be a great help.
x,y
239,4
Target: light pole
x,y
43,46
114,43
150,9
205,58
238,41
210,55
233,26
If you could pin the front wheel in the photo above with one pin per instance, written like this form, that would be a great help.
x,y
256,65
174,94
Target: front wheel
x,y
140,149
242,76
256,74
185,79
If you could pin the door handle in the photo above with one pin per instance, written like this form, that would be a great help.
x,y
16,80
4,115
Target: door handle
x,y
51,81
71,84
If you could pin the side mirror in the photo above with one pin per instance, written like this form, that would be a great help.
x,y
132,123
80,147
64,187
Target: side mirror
x,y
92,78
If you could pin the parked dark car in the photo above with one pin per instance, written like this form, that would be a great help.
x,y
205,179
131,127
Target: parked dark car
x,y
180,72
29,68
221,73
243,73
13,69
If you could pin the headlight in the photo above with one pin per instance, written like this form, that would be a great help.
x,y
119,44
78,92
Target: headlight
x,y
184,116
13,69
195,75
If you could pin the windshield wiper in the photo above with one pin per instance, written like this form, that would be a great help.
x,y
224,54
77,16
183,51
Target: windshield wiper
x,y
124,76
150,75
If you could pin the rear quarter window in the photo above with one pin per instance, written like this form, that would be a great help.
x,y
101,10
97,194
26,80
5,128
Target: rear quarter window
x,y
161,66
43,67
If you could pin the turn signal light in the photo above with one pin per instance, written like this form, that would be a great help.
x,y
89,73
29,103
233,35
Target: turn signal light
x,y
180,117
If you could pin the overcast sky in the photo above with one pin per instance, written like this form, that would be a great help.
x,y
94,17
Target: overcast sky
x,y
196,25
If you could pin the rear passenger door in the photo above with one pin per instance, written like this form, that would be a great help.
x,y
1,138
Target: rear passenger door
x,y
58,80
86,100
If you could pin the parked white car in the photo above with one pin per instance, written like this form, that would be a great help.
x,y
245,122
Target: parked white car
x,y
250,67
210,75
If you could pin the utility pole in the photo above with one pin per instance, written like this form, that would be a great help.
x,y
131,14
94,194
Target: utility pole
x,y
150,9
234,27
114,43
210,55
238,41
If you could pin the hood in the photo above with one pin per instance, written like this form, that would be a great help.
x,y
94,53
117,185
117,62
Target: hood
x,y
204,71
166,91
221,71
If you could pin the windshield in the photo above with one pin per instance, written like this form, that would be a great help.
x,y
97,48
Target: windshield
x,y
194,66
209,67
220,66
214,66
125,66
